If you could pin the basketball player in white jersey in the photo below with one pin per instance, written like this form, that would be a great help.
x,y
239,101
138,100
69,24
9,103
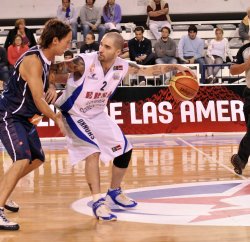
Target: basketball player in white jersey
x,y
91,134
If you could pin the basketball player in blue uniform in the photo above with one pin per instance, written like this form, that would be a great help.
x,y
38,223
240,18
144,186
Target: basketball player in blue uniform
x,y
26,97
242,64
91,134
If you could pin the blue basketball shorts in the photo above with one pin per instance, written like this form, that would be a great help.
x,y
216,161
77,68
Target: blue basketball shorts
x,y
20,138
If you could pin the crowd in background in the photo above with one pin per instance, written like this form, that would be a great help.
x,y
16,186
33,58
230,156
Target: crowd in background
x,y
96,21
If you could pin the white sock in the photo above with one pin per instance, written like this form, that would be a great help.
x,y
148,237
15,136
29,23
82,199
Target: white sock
x,y
96,197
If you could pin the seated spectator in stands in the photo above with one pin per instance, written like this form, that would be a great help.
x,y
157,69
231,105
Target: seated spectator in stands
x,y
244,30
68,14
112,15
165,48
4,70
140,50
158,16
90,45
217,51
62,78
16,50
91,19
191,49
68,55
27,35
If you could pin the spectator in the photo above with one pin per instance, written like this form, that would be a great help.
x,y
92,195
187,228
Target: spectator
x,y
4,71
91,19
140,50
27,35
191,48
112,15
244,30
158,16
165,48
68,55
90,45
217,51
16,50
68,14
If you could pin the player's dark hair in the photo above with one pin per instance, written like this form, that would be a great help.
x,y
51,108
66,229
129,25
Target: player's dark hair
x,y
139,28
192,28
167,28
53,28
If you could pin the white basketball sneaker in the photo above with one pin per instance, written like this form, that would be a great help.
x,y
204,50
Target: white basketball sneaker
x,y
5,224
116,196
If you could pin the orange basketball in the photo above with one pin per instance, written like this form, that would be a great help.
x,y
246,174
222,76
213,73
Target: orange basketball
x,y
183,87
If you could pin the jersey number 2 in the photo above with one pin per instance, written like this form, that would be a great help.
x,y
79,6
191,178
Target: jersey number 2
x,y
104,85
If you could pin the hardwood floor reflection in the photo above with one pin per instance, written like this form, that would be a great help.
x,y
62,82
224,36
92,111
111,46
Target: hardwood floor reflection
x,y
45,195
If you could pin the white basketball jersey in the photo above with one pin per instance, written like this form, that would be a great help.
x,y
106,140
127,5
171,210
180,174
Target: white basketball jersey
x,y
89,95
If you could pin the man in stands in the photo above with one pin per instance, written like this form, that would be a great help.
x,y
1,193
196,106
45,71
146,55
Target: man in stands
x,y
140,50
191,48
91,19
158,16
68,14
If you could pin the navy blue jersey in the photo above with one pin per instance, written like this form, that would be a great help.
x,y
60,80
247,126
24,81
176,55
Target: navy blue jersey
x,y
17,98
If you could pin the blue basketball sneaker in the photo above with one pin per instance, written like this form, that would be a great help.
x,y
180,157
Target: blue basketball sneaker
x,y
102,211
117,197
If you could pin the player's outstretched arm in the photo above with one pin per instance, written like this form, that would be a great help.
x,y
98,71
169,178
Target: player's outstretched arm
x,y
59,71
237,69
155,70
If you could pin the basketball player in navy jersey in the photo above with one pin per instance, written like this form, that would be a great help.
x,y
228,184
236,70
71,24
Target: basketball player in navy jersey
x,y
90,132
22,103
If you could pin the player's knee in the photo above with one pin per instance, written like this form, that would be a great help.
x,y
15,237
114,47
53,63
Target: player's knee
x,y
123,160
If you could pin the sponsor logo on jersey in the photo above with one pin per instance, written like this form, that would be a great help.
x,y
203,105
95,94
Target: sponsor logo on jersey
x,y
116,148
118,68
93,76
86,128
116,76
96,95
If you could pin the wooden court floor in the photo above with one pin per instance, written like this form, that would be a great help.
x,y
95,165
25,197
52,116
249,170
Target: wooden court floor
x,y
46,195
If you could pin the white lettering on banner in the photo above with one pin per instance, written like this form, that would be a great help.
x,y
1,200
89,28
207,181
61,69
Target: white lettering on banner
x,y
236,108
114,112
205,112
169,115
149,110
222,111
133,110
215,111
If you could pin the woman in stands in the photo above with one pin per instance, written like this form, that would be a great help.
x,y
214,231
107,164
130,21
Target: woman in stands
x,y
217,51
16,50
27,35
112,15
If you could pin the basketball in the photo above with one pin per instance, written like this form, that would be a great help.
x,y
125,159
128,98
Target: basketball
x,y
183,87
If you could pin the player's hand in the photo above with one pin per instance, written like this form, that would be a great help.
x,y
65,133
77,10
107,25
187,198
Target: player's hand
x,y
183,69
59,122
51,95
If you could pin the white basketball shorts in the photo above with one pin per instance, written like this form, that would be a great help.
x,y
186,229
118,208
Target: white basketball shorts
x,y
100,133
